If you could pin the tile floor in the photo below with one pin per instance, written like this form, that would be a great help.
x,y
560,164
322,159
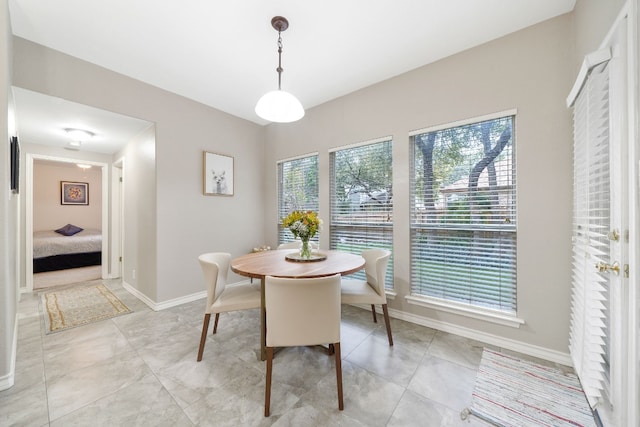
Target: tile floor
x,y
140,369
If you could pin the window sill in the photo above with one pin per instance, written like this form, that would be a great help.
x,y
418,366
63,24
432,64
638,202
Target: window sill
x,y
466,310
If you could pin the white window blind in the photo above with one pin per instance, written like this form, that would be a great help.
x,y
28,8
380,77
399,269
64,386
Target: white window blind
x,y
463,215
362,200
297,190
590,294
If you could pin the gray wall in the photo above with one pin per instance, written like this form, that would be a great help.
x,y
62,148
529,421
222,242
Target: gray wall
x,y
140,214
9,205
187,223
593,19
530,70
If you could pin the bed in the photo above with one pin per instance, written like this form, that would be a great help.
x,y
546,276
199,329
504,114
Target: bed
x,y
53,251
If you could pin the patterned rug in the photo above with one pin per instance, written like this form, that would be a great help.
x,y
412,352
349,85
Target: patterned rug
x,y
80,305
514,392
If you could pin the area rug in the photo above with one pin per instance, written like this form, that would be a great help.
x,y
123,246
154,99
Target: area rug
x,y
80,305
514,392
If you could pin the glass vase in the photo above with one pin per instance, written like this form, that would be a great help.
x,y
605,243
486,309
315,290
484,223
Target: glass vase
x,y
305,251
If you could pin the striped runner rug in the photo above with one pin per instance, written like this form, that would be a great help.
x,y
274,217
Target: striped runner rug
x,y
514,392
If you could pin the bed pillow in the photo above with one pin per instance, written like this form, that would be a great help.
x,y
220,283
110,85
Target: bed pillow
x,y
69,230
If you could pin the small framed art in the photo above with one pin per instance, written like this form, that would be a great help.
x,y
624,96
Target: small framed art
x,y
74,193
217,173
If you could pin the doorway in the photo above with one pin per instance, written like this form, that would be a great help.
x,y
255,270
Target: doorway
x,y
30,214
604,338
43,125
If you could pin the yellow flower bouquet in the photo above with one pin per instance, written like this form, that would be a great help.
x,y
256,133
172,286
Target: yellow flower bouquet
x,y
305,225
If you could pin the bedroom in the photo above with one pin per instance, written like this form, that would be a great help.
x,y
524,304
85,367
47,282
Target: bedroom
x,y
51,213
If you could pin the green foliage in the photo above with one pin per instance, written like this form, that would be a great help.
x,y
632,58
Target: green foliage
x,y
365,170
300,184
459,211
446,157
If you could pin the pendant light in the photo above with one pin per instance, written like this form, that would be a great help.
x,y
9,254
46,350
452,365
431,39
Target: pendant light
x,y
279,106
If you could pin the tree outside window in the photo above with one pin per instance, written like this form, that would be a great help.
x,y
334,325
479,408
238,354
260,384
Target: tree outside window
x,y
362,200
463,225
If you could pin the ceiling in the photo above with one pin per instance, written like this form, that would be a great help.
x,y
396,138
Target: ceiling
x,y
224,54
42,119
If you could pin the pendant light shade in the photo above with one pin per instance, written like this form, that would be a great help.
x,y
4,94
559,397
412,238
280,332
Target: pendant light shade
x,y
278,105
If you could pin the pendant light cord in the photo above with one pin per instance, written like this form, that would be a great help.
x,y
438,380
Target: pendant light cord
x,y
279,69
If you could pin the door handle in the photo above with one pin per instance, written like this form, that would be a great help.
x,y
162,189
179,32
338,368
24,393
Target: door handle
x,y
602,267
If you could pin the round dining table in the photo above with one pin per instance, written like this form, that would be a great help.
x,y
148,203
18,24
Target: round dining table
x,y
285,263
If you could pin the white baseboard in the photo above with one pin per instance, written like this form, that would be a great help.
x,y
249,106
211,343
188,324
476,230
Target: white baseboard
x,y
474,334
498,341
8,380
157,306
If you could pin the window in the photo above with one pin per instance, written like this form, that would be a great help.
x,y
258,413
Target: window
x,y
463,215
297,190
362,200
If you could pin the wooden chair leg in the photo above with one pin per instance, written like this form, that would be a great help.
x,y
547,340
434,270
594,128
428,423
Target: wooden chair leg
x,y
267,390
386,321
203,337
215,323
331,350
373,311
339,375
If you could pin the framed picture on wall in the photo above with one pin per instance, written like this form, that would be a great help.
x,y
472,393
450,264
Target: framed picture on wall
x,y
217,173
74,193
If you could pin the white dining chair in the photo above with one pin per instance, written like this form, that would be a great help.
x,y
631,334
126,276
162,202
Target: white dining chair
x,y
302,312
370,291
220,297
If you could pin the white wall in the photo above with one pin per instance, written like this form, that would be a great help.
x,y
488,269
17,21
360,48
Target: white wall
x,y
531,71
48,212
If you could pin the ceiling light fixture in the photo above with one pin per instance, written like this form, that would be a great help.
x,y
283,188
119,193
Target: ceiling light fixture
x,y
279,106
83,166
79,134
